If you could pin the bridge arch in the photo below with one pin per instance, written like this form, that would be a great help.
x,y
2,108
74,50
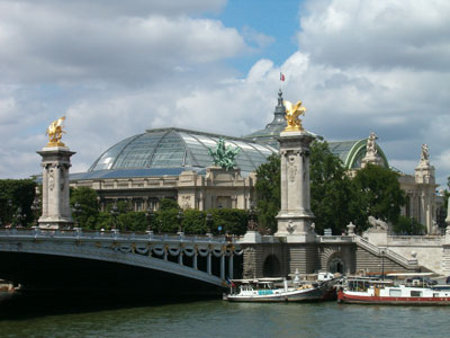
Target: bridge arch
x,y
333,258
185,260
272,266
336,264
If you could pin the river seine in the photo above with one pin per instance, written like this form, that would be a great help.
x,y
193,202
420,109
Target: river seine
x,y
216,318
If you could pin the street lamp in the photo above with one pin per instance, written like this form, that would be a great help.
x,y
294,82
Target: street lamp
x,y
180,221
251,215
9,213
208,223
76,209
19,216
149,217
35,210
114,213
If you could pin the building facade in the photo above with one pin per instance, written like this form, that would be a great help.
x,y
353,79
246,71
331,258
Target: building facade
x,y
175,163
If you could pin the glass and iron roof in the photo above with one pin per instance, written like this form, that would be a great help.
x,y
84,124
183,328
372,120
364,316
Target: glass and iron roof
x,y
351,153
171,148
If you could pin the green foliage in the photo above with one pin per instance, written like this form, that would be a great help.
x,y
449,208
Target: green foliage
x,y
335,198
20,193
408,226
104,221
87,215
331,189
233,221
166,221
132,221
378,194
168,204
194,222
267,189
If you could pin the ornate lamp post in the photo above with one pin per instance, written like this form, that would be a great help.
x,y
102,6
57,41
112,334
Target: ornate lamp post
x,y
19,216
35,210
208,224
114,213
180,222
76,209
251,218
149,215
9,212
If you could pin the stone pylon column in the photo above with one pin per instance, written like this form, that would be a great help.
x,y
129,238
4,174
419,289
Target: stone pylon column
x,y
424,177
56,210
295,216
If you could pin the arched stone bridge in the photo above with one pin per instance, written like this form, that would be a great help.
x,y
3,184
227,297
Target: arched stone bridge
x,y
41,258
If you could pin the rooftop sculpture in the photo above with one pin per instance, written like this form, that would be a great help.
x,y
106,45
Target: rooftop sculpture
x,y
292,116
54,132
224,156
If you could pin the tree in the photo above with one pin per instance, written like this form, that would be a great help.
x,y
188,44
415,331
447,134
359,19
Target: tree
x,y
331,189
408,226
86,215
378,194
168,204
335,198
267,189
15,194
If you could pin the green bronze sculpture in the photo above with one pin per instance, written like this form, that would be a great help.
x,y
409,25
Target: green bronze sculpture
x,y
224,156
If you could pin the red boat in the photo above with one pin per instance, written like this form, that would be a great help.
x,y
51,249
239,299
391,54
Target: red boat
x,y
415,290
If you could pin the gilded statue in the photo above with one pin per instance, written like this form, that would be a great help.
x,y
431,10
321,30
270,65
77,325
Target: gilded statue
x,y
224,156
292,116
55,131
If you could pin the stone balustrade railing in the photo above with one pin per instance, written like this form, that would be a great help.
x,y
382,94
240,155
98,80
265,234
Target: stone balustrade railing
x,y
334,239
429,240
380,251
112,235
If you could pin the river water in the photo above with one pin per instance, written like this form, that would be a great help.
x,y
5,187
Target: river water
x,y
216,318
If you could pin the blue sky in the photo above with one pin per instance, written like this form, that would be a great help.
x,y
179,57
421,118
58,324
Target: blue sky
x,y
277,19
115,68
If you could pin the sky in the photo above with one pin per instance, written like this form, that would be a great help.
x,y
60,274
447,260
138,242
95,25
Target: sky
x,y
116,68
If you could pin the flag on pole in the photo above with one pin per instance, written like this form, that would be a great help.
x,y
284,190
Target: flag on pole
x,y
282,77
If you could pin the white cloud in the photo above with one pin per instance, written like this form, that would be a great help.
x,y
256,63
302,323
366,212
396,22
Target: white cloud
x,y
356,71
378,34
42,43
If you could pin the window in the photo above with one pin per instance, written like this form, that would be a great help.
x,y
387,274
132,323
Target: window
x,y
416,293
395,292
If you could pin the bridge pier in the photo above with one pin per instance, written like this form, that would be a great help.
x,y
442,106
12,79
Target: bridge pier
x,y
209,267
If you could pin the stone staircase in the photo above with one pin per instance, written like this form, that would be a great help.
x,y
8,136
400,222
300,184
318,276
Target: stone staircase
x,y
374,258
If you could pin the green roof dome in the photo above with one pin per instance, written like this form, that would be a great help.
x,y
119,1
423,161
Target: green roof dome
x,y
177,148
272,130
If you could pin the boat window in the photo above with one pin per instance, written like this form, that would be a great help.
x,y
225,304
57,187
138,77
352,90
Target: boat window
x,y
416,293
395,292
435,294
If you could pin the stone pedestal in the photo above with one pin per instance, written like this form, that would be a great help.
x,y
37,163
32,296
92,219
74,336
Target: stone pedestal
x,y
424,178
295,216
56,212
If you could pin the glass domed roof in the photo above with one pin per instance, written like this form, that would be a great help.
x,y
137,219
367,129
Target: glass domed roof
x,y
177,148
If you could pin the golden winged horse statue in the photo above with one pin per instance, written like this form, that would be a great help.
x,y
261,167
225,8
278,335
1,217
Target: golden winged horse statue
x,y
292,116
55,131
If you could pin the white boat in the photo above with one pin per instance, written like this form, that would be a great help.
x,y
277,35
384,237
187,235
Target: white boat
x,y
415,289
279,290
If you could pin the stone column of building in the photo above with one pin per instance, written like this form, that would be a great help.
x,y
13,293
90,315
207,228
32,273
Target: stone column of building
x,y
424,177
446,245
56,210
295,216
